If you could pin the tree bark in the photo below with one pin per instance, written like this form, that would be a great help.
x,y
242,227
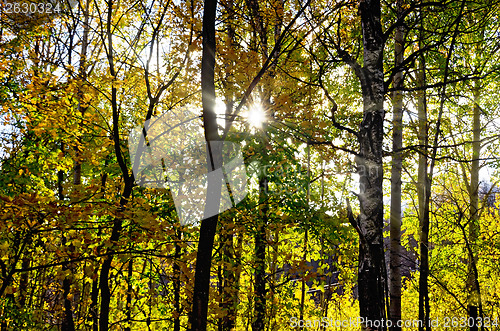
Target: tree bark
x,y
260,257
303,292
229,276
106,264
198,317
397,163
371,268
94,296
177,282
233,283
473,291
128,307
260,27
260,237
423,192
68,323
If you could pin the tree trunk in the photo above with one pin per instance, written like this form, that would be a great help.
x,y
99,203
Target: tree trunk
x,y
260,26
128,307
208,226
106,264
260,238
260,257
473,291
229,279
424,305
23,282
177,282
94,296
260,291
68,323
423,192
306,235
371,269
127,179
236,264
397,162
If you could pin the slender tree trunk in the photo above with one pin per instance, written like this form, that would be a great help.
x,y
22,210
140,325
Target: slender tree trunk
x,y
325,297
229,291
228,279
94,293
260,316
306,236
220,289
260,237
94,297
260,256
68,323
177,283
424,305
397,163
473,291
204,262
232,313
208,226
260,292
423,192
128,307
23,282
127,179
106,264
274,279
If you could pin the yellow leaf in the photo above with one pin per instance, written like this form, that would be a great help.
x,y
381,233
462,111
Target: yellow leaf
x,y
4,246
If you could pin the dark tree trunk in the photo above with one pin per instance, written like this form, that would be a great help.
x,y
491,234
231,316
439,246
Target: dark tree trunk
x,y
202,274
372,277
177,283
68,323
94,296
260,238
128,308
424,305
423,191
229,277
127,179
208,226
103,280
232,279
106,264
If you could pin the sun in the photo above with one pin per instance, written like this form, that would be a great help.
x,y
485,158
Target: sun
x,y
256,116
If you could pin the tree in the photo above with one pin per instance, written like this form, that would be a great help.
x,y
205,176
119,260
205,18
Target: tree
x,y
214,161
371,274
397,144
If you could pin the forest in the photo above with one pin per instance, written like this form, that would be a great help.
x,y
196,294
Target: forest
x,y
256,165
